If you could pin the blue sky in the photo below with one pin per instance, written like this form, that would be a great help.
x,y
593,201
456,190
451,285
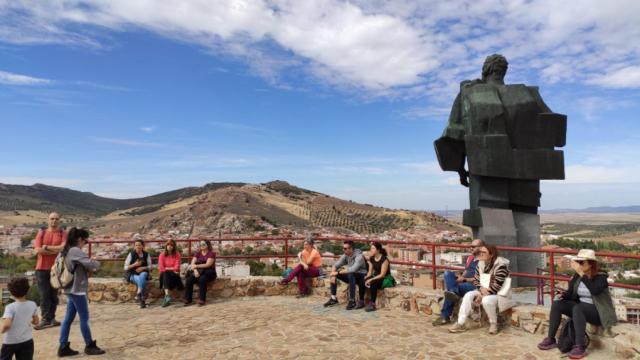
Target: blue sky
x,y
131,98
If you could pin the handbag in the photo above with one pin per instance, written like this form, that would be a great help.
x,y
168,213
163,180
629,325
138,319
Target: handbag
x,y
485,282
388,282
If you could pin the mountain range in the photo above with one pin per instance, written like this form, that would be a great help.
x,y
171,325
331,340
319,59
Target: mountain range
x,y
213,208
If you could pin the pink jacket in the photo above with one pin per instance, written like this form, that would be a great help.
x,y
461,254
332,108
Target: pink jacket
x,y
169,262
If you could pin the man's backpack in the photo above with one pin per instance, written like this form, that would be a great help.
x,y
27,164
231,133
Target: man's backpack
x,y
61,277
566,340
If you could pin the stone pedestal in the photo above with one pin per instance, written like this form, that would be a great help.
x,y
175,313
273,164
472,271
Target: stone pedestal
x,y
528,230
504,227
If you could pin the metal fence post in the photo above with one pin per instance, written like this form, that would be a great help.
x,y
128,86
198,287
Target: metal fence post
x,y
434,274
286,252
552,275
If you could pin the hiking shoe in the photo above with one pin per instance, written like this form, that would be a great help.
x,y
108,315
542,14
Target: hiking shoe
x,y
331,302
360,305
493,328
187,303
302,295
93,349
66,350
457,328
351,305
440,321
451,296
166,301
283,282
201,303
577,352
371,307
547,344
55,322
43,325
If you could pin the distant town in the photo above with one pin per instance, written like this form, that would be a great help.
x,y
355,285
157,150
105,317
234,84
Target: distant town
x,y
18,241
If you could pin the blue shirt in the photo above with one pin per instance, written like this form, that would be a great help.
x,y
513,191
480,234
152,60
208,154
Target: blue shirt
x,y
470,271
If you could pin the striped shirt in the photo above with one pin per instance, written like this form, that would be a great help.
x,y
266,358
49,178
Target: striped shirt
x,y
499,272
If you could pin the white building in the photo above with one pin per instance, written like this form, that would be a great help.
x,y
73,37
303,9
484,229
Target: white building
x,y
456,258
237,270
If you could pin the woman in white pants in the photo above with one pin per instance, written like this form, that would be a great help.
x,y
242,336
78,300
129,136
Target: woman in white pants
x,y
491,276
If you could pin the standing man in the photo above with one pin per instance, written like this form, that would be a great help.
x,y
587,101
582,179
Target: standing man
x,y
354,271
49,242
456,285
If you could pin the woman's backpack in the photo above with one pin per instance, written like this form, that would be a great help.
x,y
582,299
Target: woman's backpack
x,y
60,277
566,340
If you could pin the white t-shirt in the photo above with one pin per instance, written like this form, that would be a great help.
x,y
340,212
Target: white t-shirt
x,y
21,314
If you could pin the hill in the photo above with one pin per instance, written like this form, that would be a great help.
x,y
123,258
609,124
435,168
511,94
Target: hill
x,y
227,208
45,198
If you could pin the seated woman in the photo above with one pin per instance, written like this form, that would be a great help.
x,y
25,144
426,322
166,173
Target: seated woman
x,y
201,270
310,265
379,267
496,270
169,267
587,300
137,267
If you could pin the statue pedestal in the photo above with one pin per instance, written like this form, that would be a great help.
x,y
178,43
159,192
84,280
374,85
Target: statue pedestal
x,y
504,227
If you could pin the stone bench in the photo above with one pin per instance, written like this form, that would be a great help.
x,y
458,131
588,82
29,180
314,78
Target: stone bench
x,y
113,290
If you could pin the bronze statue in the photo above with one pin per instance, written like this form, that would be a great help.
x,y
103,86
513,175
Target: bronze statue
x,y
507,135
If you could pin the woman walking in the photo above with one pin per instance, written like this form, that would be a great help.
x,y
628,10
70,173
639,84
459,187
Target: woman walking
x,y
82,267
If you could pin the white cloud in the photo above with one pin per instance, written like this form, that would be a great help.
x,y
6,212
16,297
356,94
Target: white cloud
x,y
384,47
237,127
148,129
125,142
368,170
428,167
627,77
9,78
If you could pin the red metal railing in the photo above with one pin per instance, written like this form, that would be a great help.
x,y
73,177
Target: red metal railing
x,y
551,277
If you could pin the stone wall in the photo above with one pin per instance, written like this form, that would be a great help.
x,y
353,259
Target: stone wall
x,y
624,339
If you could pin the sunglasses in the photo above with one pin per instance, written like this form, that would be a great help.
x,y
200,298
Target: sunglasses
x,y
579,261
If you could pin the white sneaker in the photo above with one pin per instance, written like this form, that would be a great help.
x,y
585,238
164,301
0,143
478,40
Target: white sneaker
x,y
457,328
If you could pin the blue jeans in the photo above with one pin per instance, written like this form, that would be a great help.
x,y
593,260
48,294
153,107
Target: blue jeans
x,y
76,304
452,285
140,280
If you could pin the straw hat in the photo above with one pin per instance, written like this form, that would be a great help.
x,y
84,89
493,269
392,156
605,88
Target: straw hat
x,y
585,254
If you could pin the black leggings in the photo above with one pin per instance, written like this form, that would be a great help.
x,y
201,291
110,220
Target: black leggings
x,y
206,276
170,280
581,313
374,286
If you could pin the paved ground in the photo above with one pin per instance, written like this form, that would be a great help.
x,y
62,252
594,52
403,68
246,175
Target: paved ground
x,y
284,328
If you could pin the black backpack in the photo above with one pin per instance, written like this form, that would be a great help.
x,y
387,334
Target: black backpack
x,y
567,336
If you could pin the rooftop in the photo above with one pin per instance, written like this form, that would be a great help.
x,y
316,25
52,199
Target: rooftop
x,y
282,327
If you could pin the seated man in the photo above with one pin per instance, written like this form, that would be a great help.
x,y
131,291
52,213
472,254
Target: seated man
x,y
354,272
458,285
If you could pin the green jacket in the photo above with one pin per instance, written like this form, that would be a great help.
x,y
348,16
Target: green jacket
x,y
599,288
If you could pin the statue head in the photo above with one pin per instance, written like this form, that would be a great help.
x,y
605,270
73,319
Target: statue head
x,y
494,68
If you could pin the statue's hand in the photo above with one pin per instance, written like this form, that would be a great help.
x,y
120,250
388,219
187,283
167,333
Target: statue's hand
x,y
464,177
